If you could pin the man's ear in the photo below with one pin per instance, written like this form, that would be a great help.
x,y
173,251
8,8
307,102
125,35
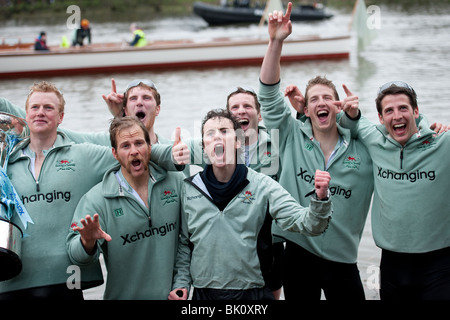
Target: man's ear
x,y
114,152
306,111
61,117
380,117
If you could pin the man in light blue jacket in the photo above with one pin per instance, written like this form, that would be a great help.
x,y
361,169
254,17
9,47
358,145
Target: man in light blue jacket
x,y
51,174
132,217
410,213
317,142
224,208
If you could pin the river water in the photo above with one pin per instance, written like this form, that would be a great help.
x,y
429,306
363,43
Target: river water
x,y
412,44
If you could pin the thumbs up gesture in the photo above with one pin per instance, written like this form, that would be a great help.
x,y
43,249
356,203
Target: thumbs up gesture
x,y
180,151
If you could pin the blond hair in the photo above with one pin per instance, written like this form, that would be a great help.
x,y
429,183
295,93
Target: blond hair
x,y
45,86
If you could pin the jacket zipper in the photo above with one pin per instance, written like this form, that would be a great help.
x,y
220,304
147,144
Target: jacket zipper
x,y
401,158
149,216
38,188
36,181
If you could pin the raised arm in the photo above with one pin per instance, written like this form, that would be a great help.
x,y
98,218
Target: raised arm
x,y
8,107
114,100
280,27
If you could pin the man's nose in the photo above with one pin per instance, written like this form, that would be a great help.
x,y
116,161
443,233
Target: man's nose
x,y
139,101
133,149
241,109
40,110
397,114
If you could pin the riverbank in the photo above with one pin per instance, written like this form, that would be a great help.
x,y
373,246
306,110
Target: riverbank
x,y
102,11
119,10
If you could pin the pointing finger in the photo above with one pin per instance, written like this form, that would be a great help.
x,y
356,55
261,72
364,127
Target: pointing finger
x,y
347,91
113,86
288,11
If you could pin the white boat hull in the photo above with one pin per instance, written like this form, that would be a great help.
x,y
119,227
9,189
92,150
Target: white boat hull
x,y
160,55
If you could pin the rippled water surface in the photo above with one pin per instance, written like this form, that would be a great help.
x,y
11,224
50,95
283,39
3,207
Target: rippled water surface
x,y
412,46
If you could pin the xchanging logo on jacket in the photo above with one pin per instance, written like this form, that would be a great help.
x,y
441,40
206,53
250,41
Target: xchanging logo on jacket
x,y
334,190
151,232
47,197
411,176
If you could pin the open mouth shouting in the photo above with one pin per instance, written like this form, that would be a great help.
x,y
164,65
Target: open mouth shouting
x,y
218,153
137,164
244,123
322,115
219,150
140,115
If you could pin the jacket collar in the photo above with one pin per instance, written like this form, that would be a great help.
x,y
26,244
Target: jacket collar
x,y
423,131
61,141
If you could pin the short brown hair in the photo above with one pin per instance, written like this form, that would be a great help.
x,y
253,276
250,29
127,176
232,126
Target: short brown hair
x,y
396,89
246,91
323,81
120,123
225,114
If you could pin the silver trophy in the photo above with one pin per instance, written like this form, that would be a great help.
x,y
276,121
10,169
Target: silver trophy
x,y
11,129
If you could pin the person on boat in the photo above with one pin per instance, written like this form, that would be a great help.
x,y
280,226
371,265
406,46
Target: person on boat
x,y
224,208
139,36
50,175
84,31
131,217
65,42
41,42
412,230
316,142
